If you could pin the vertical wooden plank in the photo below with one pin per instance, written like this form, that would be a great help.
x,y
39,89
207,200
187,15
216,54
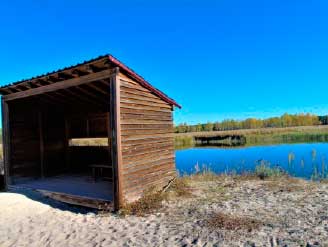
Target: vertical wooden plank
x,y
115,126
41,141
6,141
108,124
67,151
87,127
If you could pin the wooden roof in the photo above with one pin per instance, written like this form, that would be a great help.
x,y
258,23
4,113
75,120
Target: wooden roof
x,y
88,67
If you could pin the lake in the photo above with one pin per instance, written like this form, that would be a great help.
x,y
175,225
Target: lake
x,y
299,160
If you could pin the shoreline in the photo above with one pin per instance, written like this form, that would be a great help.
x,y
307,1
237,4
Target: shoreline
x,y
256,137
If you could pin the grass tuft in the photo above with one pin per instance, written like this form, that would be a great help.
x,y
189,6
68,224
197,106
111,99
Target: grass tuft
x,y
180,187
150,202
264,171
233,223
152,199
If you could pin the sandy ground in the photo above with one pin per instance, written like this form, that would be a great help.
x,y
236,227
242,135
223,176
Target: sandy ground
x,y
294,213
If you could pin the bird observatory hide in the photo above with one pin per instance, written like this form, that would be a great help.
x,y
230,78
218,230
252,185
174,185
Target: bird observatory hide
x,y
101,99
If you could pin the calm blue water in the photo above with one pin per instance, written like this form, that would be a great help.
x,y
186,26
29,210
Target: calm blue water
x,y
308,158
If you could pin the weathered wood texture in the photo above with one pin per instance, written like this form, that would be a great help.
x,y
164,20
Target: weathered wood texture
x,y
114,128
54,143
25,140
83,156
88,125
79,200
73,82
89,101
37,140
6,144
147,143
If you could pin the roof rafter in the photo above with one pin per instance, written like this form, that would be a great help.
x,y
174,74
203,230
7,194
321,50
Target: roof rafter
x,y
87,68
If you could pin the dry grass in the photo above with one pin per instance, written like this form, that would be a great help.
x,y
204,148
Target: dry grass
x,y
150,202
152,199
209,187
288,184
180,188
203,176
245,177
233,223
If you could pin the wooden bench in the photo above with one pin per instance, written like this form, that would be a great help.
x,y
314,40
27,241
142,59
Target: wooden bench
x,y
97,171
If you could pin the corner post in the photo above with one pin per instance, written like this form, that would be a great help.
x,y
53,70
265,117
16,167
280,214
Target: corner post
x,y
6,141
115,130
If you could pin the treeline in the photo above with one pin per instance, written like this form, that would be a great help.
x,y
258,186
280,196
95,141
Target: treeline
x,y
286,120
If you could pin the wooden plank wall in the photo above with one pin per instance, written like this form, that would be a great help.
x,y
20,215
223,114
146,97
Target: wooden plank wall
x,y
147,143
53,129
24,136
88,125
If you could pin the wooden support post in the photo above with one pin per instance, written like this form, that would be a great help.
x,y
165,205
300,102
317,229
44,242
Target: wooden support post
x,y
6,144
67,151
41,140
87,127
115,126
108,124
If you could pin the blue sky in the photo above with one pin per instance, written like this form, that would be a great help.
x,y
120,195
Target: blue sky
x,y
218,59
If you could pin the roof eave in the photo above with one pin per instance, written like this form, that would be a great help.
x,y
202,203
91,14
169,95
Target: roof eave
x,y
142,81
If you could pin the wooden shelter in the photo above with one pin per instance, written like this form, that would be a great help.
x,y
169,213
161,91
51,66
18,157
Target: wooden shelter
x,y
100,98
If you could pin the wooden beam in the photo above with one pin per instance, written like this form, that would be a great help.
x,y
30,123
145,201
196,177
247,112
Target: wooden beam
x,y
31,84
68,101
5,90
81,98
21,87
56,100
84,97
79,72
65,75
95,68
13,89
60,85
44,100
62,97
97,89
41,142
6,145
116,152
105,82
53,78
40,82
93,95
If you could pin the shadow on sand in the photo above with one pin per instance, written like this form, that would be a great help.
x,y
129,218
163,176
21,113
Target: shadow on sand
x,y
36,196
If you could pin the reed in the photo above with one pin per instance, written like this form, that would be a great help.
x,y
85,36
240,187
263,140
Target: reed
x,y
264,170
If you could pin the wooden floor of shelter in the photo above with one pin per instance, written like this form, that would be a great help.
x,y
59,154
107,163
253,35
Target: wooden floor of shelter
x,y
75,185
